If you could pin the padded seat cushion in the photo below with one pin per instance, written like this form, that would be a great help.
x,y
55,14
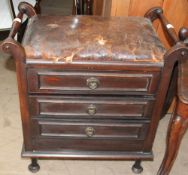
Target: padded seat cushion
x,y
91,38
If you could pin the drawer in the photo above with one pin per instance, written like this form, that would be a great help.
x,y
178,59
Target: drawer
x,y
51,81
89,135
90,107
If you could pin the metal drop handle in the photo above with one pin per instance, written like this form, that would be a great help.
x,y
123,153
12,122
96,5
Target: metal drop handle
x,y
91,110
93,83
90,131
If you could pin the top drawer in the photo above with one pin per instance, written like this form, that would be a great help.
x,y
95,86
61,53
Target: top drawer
x,y
64,82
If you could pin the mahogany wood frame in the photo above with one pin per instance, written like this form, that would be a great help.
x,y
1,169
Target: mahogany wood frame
x,y
179,122
174,55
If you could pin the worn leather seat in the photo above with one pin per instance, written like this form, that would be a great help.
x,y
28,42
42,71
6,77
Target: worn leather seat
x,y
91,38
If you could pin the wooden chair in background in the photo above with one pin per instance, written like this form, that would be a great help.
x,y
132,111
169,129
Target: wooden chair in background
x,y
84,7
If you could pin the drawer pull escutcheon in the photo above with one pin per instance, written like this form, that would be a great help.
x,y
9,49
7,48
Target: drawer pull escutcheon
x,y
90,131
93,83
91,110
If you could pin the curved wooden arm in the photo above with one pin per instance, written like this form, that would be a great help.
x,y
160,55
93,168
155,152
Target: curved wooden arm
x,y
157,13
14,48
24,8
16,25
27,9
11,46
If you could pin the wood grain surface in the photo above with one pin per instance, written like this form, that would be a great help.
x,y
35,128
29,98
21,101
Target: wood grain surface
x,y
176,12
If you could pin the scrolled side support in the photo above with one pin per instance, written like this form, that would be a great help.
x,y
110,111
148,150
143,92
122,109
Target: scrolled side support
x,y
157,12
175,55
11,46
153,13
179,122
14,48
27,9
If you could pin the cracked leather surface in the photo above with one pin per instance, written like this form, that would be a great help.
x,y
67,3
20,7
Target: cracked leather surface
x,y
91,38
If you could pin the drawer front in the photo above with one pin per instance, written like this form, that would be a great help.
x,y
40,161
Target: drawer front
x,y
65,145
44,81
90,107
87,135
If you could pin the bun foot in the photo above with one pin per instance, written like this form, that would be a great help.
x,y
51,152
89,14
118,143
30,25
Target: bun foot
x,y
34,166
137,168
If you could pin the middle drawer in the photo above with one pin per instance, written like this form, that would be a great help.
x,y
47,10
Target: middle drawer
x,y
90,107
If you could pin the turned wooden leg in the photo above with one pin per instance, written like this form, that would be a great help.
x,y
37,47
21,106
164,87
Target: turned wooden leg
x,y
34,166
137,168
177,128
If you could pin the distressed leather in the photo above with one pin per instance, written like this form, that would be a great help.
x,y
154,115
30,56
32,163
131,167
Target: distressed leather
x,y
92,38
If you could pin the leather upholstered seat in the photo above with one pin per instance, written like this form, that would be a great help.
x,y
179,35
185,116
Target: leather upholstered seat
x,y
91,38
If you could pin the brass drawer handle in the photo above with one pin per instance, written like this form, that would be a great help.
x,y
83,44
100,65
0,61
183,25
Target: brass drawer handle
x,y
91,110
90,131
93,83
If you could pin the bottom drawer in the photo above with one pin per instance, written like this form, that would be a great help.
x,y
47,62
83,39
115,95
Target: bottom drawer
x,y
89,135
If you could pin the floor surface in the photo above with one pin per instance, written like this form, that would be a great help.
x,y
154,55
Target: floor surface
x,y
11,162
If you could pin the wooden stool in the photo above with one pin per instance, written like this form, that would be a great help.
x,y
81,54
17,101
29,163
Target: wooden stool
x,y
92,93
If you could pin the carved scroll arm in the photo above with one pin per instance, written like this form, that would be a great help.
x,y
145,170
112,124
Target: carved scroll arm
x,y
11,46
157,13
